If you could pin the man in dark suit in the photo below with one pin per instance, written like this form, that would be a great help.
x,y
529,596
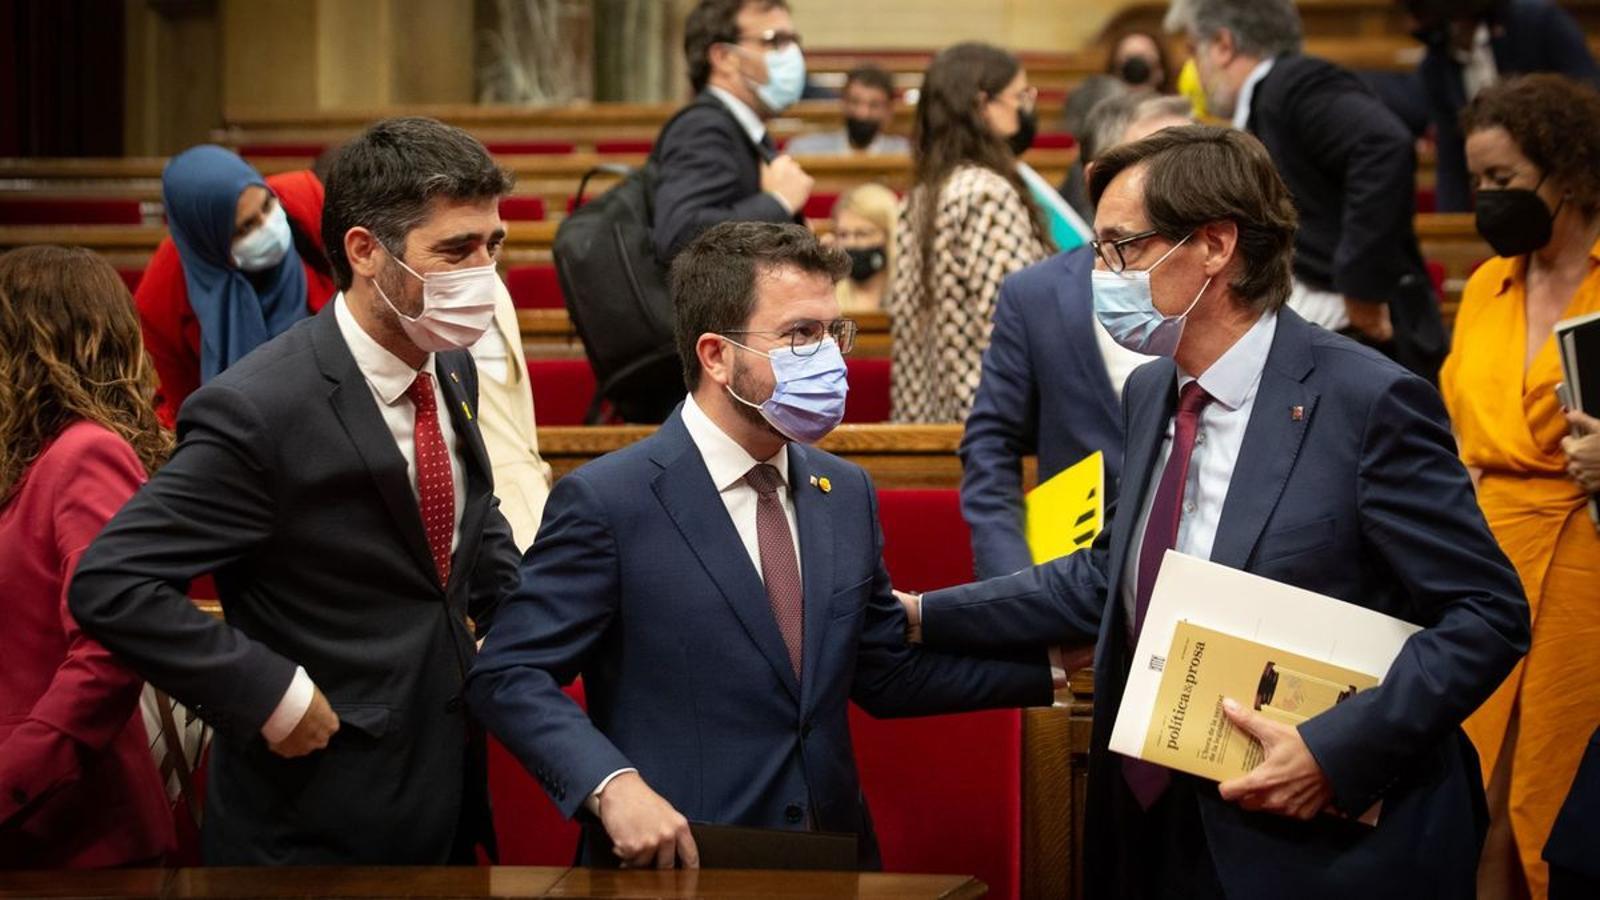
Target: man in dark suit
x,y
1051,376
1349,162
1471,45
1281,449
714,162
336,484
720,587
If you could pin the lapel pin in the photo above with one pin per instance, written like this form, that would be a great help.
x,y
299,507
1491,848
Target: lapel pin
x,y
456,378
467,410
825,485
1297,413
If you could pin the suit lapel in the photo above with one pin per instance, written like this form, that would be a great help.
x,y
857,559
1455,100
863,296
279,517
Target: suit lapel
x,y
1152,404
1278,423
815,520
686,492
476,466
1077,321
352,401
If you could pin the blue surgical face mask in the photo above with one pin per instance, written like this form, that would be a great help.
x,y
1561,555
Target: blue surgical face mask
x,y
1125,306
808,392
266,246
786,78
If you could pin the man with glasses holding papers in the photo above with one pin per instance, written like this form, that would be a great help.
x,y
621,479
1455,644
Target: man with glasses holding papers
x,y
1266,444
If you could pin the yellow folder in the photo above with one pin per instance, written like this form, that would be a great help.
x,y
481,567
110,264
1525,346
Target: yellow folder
x,y
1065,514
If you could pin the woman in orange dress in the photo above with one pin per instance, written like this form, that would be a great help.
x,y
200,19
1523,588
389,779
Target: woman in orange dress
x,y
1534,149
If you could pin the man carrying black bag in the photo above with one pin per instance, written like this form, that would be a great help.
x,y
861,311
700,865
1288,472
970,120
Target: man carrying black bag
x,y
713,162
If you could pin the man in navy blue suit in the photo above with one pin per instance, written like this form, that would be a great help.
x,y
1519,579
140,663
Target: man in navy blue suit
x,y
1270,445
720,586
1051,376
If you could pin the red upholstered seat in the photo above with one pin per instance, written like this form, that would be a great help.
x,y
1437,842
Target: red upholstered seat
x,y
1055,140
522,209
624,145
562,390
1436,274
69,211
529,828
868,400
535,287
820,206
1427,200
945,792
531,148
131,277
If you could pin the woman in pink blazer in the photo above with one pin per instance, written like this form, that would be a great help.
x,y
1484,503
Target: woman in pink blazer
x,y
78,436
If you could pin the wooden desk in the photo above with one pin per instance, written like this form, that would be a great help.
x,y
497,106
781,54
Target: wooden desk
x,y
487,881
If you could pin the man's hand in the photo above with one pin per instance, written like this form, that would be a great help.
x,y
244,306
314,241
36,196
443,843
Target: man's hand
x,y
1583,453
912,603
644,828
316,728
784,177
1288,781
1371,319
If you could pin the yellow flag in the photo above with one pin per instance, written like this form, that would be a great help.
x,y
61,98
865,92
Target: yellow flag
x,y
1066,512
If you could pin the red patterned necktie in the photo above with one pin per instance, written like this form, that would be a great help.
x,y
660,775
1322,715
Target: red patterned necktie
x,y
436,492
1147,780
778,566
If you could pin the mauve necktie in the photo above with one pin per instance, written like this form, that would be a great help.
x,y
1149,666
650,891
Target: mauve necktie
x,y
779,569
1146,780
436,492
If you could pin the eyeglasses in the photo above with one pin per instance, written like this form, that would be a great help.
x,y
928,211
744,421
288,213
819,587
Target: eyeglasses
x,y
771,40
1110,252
806,336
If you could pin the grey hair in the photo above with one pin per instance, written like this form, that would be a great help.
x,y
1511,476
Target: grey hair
x,y
1260,28
1113,116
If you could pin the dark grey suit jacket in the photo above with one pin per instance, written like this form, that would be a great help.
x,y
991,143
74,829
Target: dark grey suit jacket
x,y
289,487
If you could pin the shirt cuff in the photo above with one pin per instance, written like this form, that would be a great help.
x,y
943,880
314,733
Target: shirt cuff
x,y
291,709
593,803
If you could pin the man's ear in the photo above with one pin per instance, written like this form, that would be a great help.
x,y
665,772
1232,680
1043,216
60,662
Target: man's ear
x,y
723,57
716,358
1227,48
364,251
1221,242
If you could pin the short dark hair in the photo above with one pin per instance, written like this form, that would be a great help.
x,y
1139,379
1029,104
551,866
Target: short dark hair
x,y
714,278
871,76
385,178
1260,28
714,22
1554,121
1201,174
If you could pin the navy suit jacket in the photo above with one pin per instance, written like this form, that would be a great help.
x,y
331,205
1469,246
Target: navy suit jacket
x,y
639,582
1044,391
1360,498
1528,36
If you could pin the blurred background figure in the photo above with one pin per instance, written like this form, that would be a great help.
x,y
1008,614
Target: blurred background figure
x,y
967,224
868,102
1472,45
243,263
78,436
1533,147
1075,113
863,226
1139,60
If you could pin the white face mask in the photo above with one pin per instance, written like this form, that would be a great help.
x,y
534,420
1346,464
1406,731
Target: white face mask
x,y
457,307
266,246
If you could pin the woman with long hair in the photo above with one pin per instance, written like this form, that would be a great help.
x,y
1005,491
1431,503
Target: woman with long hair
x,y
78,435
967,224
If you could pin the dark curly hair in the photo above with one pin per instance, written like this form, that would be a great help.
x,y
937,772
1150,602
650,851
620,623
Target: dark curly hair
x,y
1555,122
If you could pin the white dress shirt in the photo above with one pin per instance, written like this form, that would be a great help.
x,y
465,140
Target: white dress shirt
x,y
1478,68
388,376
728,464
1119,360
1232,381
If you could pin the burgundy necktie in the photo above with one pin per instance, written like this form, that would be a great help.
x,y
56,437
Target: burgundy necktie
x,y
436,492
778,566
1146,780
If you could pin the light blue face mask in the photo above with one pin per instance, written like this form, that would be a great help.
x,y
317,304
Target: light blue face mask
x,y
786,78
1125,306
266,246
808,392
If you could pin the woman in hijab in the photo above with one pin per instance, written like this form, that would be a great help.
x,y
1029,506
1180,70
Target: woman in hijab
x,y
243,263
